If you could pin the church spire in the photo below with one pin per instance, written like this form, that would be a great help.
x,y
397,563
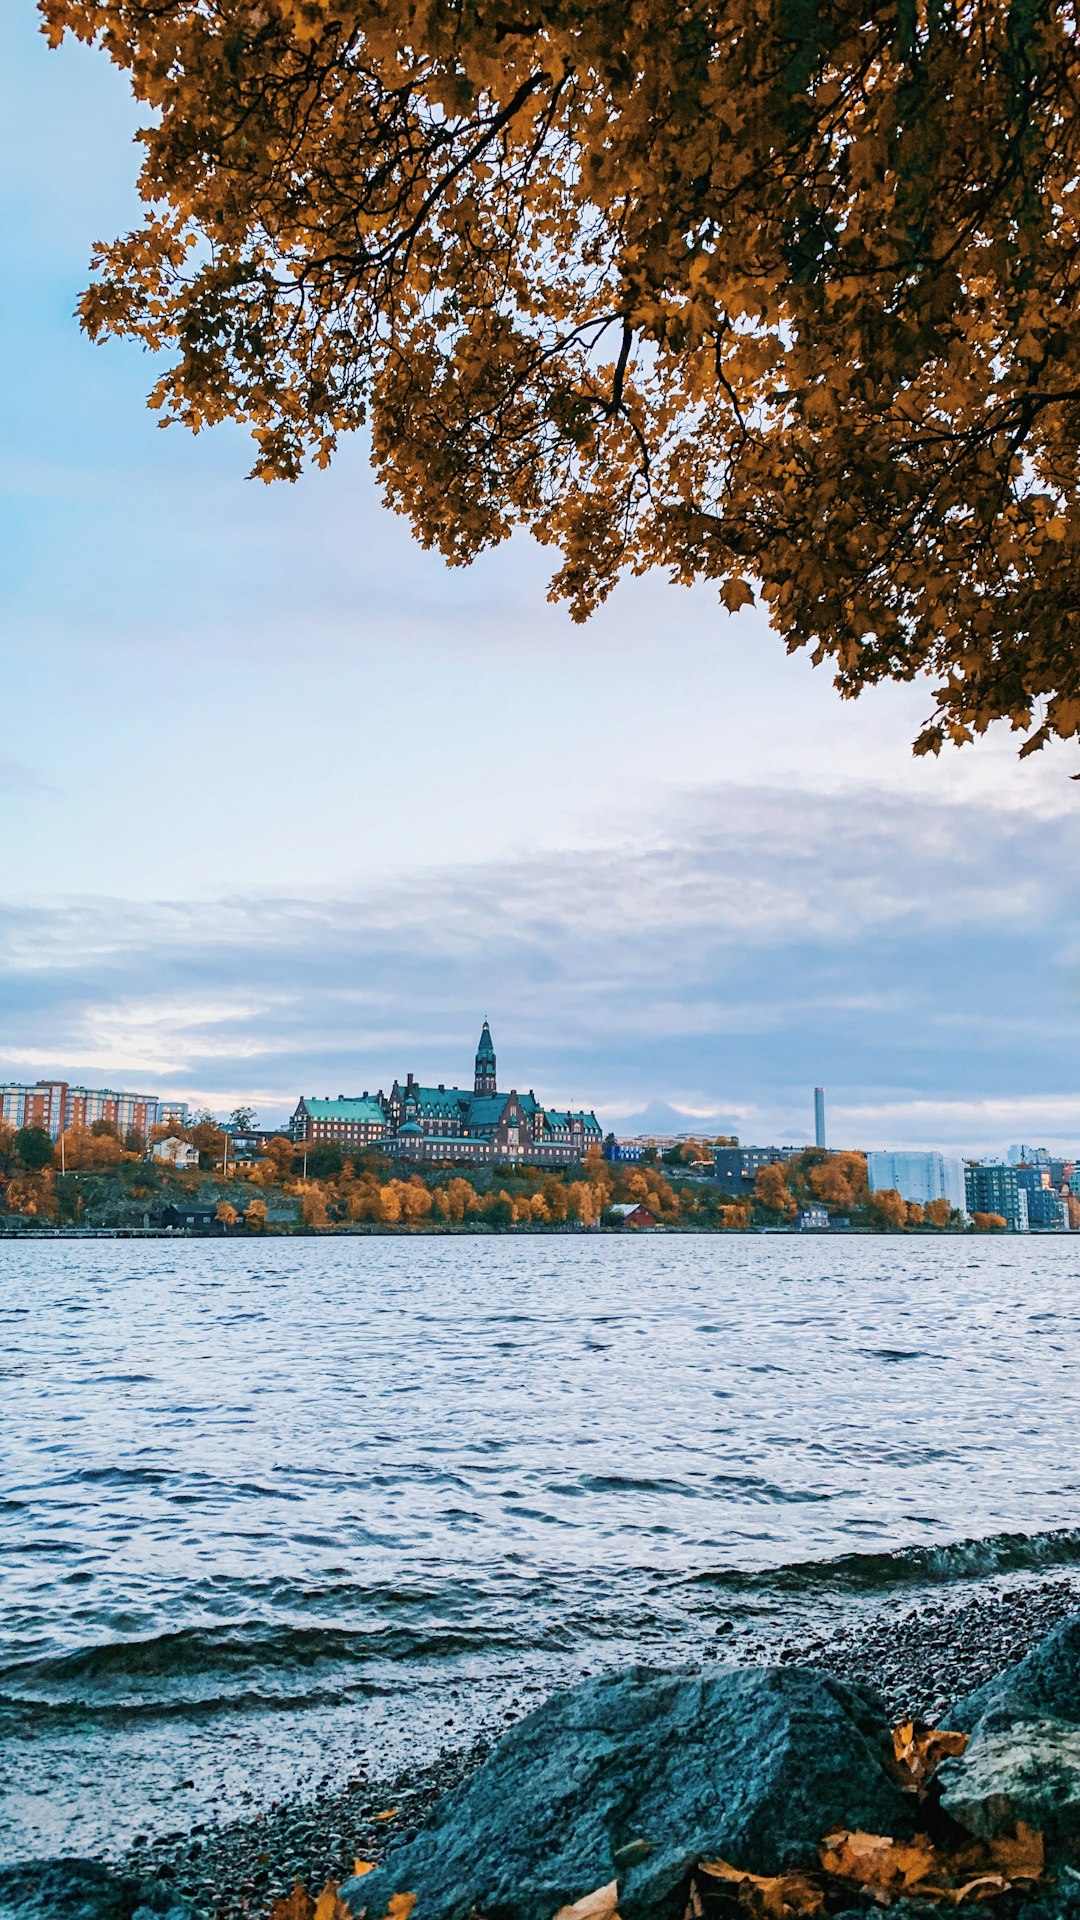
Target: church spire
x,y
484,1078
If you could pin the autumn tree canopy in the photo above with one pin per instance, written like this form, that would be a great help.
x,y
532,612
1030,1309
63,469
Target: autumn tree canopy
x,y
777,293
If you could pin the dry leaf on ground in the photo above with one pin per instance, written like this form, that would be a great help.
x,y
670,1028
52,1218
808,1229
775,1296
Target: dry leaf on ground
x,y
1020,1856
362,1866
877,1861
297,1905
601,1905
390,1814
772,1895
890,1868
329,1906
919,1751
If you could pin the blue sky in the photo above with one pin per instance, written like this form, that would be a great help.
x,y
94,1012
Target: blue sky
x,y
289,806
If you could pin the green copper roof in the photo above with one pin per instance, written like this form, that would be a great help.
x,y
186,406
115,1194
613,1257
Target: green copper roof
x,y
487,1045
438,1099
364,1112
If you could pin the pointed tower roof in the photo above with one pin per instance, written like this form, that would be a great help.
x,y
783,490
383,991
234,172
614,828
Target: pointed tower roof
x,y
487,1045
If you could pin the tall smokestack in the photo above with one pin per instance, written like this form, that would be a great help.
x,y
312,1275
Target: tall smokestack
x,y
819,1116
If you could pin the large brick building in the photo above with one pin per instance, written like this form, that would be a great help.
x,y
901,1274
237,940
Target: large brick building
x,y
453,1123
56,1106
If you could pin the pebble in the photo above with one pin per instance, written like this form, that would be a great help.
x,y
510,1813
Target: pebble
x,y
919,1656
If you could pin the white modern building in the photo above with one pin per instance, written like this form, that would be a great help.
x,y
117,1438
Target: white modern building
x,y
918,1176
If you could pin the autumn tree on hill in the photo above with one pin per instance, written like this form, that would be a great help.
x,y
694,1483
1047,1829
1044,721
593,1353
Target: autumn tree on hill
x,y
772,1190
775,295
890,1209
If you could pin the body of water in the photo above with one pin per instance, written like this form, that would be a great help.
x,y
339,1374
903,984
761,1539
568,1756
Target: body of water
x,y
274,1514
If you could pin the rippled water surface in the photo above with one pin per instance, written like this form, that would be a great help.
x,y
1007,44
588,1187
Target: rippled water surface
x,y
269,1513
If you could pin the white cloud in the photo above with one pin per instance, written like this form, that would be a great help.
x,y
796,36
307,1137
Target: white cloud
x,y
717,962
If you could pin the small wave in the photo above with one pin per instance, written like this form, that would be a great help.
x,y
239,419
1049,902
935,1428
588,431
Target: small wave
x,y
200,1665
956,1560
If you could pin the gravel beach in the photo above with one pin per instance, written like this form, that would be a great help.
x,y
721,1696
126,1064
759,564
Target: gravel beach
x,y
919,1653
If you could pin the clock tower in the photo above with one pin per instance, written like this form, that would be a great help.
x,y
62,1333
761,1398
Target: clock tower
x,y
484,1078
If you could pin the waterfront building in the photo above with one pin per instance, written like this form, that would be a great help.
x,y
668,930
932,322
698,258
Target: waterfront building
x,y
127,1112
992,1188
175,1153
812,1219
57,1106
919,1177
484,1125
344,1122
41,1105
474,1126
621,1150
633,1214
735,1168
1047,1211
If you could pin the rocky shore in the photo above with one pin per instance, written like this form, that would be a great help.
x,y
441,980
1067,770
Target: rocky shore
x,y
920,1653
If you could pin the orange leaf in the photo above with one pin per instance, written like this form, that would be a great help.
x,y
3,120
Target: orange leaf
x,y
875,1860
768,1894
363,1866
297,1905
601,1905
1021,1856
919,1750
329,1907
390,1814
401,1905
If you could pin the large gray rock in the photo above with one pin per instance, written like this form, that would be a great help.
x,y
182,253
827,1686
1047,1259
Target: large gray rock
x,y
634,1777
1046,1681
1023,1759
68,1888
1017,1770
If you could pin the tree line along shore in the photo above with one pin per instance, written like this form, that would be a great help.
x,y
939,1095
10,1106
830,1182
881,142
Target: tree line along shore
x,y
95,1179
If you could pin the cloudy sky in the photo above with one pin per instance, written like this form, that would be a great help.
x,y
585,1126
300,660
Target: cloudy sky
x,y
289,806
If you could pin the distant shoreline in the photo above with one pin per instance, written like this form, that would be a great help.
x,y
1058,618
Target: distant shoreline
x,y
444,1231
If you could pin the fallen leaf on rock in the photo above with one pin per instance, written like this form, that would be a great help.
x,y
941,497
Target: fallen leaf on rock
x,y
919,1751
297,1905
768,1894
363,1866
601,1905
390,1814
401,1905
328,1906
876,1861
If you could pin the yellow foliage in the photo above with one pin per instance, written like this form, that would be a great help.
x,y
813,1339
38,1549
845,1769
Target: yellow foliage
x,y
313,1208
988,1222
89,1152
771,1188
890,1209
390,1202
684,289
